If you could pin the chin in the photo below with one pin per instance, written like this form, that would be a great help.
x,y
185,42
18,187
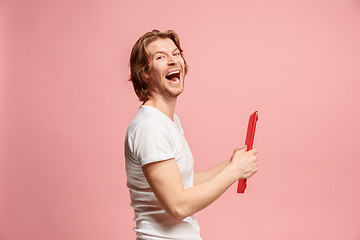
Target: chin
x,y
174,93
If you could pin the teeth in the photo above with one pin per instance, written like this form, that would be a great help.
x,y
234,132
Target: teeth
x,y
173,72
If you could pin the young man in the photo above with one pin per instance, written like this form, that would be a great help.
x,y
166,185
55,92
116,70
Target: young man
x,y
164,190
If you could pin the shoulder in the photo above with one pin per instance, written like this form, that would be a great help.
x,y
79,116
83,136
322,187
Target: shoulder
x,y
147,124
150,138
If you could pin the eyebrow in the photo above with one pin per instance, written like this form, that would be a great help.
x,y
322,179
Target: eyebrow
x,y
163,52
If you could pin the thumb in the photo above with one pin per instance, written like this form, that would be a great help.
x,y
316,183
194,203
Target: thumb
x,y
244,149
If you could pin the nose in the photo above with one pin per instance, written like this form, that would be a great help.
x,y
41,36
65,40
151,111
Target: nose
x,y
171,61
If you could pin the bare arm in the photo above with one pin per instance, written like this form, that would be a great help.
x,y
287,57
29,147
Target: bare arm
x,y
203,176
165,180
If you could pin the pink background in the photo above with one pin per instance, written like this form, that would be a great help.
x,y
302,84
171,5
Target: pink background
x,y
66,103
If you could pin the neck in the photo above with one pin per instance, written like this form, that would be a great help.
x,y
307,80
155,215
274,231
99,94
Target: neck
x,y
166,105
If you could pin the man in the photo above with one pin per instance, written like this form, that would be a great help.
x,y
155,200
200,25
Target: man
x,y
164,190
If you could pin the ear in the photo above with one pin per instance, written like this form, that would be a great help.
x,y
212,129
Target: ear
x,y
146,77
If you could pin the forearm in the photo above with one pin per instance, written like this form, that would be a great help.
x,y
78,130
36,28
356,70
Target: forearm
x,y
200,196
203,176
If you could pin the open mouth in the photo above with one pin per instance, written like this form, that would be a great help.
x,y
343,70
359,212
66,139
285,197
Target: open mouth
x,y
173,76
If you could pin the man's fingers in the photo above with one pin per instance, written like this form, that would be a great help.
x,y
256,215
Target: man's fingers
x,y
237,149
243,149
254,151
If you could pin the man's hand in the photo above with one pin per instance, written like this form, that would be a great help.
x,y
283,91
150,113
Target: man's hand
x,y
243,162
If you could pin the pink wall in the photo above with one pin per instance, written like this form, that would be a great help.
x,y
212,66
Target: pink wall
x,y
66,103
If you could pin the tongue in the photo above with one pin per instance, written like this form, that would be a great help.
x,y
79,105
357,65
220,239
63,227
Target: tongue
x,y
173,79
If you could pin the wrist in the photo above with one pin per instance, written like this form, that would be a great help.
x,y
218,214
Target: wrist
x,y
230,172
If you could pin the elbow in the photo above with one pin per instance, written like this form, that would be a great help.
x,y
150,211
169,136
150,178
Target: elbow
x,y
177,207
177,213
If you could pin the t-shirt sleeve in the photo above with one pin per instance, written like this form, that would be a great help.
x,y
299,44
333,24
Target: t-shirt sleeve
x,y
152,142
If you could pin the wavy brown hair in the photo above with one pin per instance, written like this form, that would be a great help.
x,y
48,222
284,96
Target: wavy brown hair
x,y
139,60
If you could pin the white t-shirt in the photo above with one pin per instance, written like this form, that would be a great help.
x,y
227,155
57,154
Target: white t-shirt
x,y
152,137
